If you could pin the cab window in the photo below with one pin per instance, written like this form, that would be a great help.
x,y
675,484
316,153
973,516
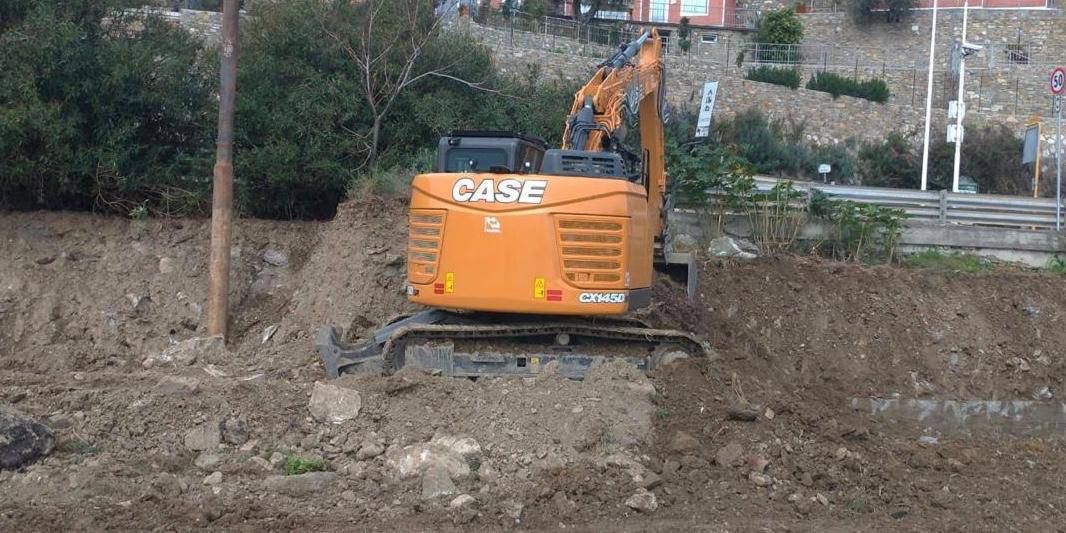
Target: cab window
x,y
474,159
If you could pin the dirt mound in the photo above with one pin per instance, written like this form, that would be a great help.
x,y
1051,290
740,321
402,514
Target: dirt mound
x,y
761,438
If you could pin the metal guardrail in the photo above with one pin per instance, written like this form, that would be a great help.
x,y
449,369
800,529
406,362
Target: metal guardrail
x,y
941,206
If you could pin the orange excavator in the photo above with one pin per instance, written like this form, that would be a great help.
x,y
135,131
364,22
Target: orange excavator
x,y
529,257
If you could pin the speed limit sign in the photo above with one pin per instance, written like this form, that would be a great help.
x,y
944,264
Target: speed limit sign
x,y
1058,81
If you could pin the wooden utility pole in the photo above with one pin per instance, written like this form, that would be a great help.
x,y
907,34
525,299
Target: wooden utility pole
x,y
222,195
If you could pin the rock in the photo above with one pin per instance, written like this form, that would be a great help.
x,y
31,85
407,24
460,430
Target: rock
x,y
392,259
275,258
1043,393
268,333
683,442
349,496
670,469
261,463
956,466
757,463
436,483
369,450
462,500
651,480
820,498
207,461
928,440
276,458
60,421
487,474
301,484
683,242
513,509
729,455
206,436
235,431
214,479
249,446
332,403
743,413
453,454
178,385
643,501
760,479
22,441
562,504
191,350
727,247
166,265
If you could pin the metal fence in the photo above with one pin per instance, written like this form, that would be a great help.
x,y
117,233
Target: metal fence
x,y
942,206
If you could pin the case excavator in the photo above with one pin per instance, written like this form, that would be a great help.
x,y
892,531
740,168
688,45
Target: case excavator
x,y
532,259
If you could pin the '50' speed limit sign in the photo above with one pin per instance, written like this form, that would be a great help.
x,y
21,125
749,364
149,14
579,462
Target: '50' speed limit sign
x,y
1058,81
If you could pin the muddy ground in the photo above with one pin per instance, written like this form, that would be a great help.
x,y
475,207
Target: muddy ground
x,y
156,433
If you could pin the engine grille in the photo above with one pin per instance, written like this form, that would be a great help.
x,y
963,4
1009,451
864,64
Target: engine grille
x,y
592,250
423,244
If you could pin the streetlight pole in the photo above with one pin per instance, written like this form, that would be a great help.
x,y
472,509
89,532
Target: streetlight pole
x,y
222,191
928,102
959,106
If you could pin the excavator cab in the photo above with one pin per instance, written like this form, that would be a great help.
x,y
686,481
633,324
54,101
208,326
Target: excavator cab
x,y
490,151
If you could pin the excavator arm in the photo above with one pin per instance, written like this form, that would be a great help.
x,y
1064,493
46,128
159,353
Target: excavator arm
x,y
630,82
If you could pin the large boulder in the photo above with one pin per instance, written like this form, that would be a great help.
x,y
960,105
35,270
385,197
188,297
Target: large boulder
x,y
452,454
333,403
22,441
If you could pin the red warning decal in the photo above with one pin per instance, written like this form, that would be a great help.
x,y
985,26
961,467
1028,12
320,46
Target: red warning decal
x,y
438,288
555,295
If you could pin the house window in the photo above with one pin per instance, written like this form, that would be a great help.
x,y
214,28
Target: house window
x,y
709,38
693,7
658,10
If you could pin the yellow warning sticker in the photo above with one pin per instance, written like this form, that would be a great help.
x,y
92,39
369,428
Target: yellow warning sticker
x,y
449,282
534,364
539,287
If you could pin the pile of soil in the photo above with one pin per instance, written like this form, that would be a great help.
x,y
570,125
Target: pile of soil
x,y
760,437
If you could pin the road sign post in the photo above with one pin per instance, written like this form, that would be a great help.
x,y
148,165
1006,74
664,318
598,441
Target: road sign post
x,y
1058,85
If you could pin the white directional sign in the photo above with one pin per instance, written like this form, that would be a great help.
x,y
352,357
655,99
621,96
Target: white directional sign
x,y
703,124
1058,81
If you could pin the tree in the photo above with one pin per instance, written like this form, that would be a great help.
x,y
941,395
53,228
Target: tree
x,y
869,11
101,109
388,43
780,26
684,35
535,8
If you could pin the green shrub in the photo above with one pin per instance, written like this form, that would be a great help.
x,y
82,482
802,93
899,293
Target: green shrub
x,y
875,90
789,77
780,26
96,115
296,465
893,162
991,156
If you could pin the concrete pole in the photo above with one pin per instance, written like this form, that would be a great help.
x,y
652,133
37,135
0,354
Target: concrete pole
x,y
928,103
222,193
959,106
1058,162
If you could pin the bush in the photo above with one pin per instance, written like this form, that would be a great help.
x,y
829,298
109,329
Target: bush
x,y
991,156
892,162
101,115
780,26
868,11
789,77
875,90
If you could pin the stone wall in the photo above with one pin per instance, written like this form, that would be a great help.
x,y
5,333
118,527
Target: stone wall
x,y
826,120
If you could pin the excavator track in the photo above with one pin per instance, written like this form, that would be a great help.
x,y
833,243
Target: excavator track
x,y
478,344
